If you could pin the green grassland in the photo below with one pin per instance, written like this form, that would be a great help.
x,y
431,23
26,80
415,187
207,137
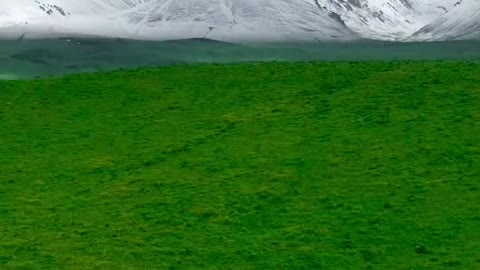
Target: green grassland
x,y
372,165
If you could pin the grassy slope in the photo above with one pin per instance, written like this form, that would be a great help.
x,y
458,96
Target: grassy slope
x,y
251,166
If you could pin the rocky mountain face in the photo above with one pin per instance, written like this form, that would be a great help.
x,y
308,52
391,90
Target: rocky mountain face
x,y
234,20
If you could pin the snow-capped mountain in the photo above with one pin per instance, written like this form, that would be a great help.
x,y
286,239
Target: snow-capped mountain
x,y
462,22
235,20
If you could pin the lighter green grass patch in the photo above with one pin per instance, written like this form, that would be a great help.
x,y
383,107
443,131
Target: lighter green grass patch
x,y
7,76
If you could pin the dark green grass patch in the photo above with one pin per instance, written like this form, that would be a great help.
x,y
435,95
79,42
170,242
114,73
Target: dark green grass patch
x,y
248,166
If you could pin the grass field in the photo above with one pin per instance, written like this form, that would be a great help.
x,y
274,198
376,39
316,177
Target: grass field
x,y
372,165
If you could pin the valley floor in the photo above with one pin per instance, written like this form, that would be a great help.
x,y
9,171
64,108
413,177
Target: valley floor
x,y
27,59
367,165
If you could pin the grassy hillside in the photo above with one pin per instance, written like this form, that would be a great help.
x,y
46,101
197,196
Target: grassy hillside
x,y
247,166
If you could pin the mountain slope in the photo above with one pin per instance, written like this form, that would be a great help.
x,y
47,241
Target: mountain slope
x,y
13,12
236,20
463,22
50,18
35,9
381,19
